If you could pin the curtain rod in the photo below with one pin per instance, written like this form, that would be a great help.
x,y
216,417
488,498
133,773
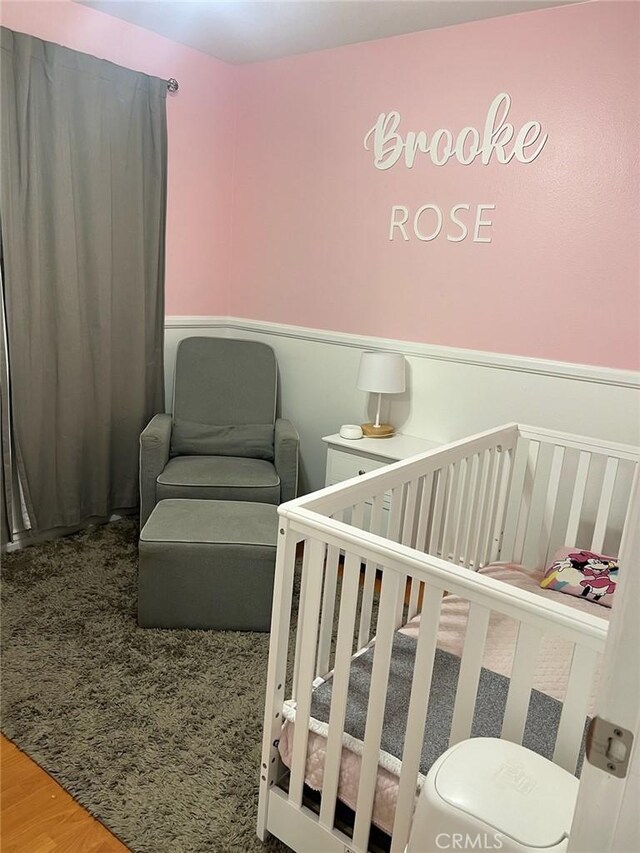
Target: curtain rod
x,y
172,84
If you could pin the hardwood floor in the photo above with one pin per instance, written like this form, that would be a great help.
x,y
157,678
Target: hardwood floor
x,y
38,816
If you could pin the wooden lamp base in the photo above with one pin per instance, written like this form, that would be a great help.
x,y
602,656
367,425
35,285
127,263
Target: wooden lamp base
x,y
380,431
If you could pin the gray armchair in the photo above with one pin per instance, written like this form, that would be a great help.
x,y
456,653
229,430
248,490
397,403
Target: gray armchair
x,y
223,441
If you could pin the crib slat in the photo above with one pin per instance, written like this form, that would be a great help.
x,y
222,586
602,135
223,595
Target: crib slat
x,y
497,499
481,488
328,609
507,473
441,486
311,606
469,676
577,500
451,514
527,495
416,717
368,588
463,511
395,520
531,556
392,583
400,620
328,604
574,707
552,500
409,533
602,517
408,526
357,520
357,515
346,619
377,511
300,627
414,597
523,667
486,508
619,509
514,504
395,513
425,512
364,633
474,510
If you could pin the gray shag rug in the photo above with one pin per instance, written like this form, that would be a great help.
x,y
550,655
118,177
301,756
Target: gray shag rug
x,y
157,733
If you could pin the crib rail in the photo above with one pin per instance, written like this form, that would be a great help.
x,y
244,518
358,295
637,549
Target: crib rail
x,y
497,495
514,494
448,503
565,491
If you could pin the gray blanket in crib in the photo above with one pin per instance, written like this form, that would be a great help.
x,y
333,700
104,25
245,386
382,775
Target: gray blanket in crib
x,y
542,719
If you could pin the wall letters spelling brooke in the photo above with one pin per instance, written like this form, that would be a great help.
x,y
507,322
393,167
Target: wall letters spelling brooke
x,y
495,138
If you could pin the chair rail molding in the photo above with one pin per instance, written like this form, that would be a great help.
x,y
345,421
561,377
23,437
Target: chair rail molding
x,y
519,363
451,393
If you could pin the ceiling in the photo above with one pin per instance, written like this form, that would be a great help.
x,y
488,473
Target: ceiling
x,y
252,30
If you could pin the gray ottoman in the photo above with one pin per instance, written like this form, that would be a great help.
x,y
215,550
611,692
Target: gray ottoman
x,y
207,564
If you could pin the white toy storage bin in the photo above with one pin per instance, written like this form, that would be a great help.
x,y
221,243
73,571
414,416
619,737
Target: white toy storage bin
x,y
491,794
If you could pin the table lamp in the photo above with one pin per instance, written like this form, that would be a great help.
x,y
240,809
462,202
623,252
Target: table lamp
x,y
381,373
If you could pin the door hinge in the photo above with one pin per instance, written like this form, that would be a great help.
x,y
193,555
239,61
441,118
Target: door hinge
x,y
609,747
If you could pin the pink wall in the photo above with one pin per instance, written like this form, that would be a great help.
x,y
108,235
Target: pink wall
x,y
200,128
300,234
560,278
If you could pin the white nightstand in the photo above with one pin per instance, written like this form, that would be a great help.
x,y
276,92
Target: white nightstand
x,y
352,458
346,459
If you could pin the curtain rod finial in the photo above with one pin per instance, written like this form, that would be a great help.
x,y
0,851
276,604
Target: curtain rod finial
x,y
172,84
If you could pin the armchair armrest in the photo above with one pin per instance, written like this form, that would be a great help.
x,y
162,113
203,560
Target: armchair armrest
x,y
285,451
155,442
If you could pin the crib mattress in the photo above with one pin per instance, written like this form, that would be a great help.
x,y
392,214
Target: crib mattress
x,y
550,678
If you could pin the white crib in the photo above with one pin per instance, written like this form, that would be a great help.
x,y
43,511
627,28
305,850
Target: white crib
x,y
418,531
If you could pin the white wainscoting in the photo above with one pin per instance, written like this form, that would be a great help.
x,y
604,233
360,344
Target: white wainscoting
x,y
451,392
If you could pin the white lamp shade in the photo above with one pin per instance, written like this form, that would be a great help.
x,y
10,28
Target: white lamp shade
x,y
381,373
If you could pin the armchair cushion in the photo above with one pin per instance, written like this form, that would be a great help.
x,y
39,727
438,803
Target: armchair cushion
x,y
221,478
254,441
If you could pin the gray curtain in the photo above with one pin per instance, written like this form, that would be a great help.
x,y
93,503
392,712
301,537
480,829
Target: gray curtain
x,y
82,204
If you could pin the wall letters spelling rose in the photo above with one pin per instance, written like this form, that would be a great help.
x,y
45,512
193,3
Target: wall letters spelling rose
x,y
497,137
